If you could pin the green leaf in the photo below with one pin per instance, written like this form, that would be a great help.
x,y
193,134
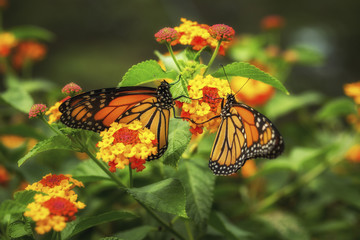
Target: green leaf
x,y
83,223
54,142
11,207
179,91
145,72
32,32
282,104
34,85
18,229
16,96
137,233
169,62
164,196
199,184
243,69
335,108
89,171
286,225
179,138
229,230
25,197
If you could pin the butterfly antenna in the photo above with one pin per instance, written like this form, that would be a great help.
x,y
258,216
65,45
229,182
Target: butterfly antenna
x,y
242,86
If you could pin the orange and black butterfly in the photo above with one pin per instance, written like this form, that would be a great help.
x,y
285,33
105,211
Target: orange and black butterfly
x,y
244,133
97,109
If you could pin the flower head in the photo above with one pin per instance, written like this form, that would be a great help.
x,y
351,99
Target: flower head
x,y
37,110
57,205
207,94
166,34
124,144
52,212
28,51
54,113
56,185
222,32
272,22
7,42
198,36
71,89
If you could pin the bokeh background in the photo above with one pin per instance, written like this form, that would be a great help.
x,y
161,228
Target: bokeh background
x,y
95,42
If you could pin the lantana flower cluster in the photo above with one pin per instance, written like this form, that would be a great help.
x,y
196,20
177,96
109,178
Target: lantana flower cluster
x,y
124,144
28,51
202,35
56,204
206,94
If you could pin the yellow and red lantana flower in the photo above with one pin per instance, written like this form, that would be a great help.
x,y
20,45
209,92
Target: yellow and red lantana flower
x,y
57,185
197,35
253,93
124,144
206,94
7,42
28,51
57,205
54,113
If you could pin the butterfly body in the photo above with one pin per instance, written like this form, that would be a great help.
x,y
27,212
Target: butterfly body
x,y
97,110
244,133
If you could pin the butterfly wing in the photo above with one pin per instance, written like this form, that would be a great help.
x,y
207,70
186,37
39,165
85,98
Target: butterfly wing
x,y
244,133
96,110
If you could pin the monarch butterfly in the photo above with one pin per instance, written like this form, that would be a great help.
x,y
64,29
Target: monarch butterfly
x,y
97,109
243,133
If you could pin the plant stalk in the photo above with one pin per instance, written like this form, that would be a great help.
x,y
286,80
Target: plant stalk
x,y
173,55
213,57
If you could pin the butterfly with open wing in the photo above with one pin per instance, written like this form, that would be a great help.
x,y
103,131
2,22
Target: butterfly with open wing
x,y
244,133
96,110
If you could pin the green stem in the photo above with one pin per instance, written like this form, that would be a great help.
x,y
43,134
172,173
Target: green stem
x,y
288,189
172,55
213,57
49,125
162,222
188,230
131,180
105,169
